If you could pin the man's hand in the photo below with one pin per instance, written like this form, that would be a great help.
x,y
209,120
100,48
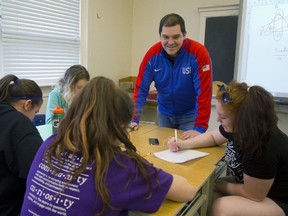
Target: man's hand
x,y
189,134
133,126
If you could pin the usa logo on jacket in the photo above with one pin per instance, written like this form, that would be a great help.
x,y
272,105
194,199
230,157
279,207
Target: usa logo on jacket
x,y
186,70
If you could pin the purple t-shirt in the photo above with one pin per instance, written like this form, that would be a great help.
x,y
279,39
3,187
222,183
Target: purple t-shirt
x,y
127,189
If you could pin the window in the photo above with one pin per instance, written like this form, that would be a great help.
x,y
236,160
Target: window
x,y
39,39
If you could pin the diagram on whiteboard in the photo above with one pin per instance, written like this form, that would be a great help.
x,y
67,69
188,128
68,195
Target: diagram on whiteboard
x,y
278,25
263,58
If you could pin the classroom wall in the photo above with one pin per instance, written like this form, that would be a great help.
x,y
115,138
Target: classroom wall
x,y
120,32
107,50
147,15
109,38
146,18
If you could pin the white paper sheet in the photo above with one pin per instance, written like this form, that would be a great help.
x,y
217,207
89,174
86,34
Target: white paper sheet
x,y
180,156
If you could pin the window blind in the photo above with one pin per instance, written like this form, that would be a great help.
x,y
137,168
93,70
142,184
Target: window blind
x,y
40,39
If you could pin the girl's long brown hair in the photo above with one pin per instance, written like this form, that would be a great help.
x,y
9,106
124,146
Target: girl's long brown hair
x,y
94,126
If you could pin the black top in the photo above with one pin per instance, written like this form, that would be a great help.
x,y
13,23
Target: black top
x,y
272,163
19,142
233,156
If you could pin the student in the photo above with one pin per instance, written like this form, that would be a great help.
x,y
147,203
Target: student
x,y
20,99
75,78
256,152
182,72
91,167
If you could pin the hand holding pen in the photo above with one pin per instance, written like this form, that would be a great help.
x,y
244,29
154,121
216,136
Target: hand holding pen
x,y
173,142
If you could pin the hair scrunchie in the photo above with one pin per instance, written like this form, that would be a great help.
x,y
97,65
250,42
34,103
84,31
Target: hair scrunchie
x,y
16,81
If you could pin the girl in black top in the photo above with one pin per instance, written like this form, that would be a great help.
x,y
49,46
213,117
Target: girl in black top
x,y
256,153
20,99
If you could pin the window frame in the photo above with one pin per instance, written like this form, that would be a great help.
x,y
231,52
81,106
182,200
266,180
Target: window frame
x,y
83,29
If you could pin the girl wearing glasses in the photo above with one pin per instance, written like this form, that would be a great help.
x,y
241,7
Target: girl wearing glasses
x,y
20,100
256,153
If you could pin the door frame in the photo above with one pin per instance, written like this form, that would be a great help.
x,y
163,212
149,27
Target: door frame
x,y
214,11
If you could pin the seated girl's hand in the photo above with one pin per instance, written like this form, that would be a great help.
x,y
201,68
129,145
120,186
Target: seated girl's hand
x,y
172,144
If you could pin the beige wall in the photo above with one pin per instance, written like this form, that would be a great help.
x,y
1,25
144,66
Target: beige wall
x,y
147,15
109,38
146,18
120,32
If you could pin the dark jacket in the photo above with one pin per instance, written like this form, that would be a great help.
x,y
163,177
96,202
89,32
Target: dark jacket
x,y
19,142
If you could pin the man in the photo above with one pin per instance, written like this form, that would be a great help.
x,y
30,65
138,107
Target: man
x,y
182,72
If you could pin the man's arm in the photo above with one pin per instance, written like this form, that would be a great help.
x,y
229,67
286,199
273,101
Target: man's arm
x,y
142,85
204,91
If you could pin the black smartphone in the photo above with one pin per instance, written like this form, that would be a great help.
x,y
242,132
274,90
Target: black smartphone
x,y
153,141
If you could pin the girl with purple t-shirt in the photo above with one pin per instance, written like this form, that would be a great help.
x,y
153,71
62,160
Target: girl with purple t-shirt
x,y
90,167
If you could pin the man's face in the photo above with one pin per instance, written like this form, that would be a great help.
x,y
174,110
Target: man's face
x,y
172,39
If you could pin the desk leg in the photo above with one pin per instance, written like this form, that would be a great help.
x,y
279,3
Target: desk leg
x,y
207,189
220,168
201,201
210,189
192,207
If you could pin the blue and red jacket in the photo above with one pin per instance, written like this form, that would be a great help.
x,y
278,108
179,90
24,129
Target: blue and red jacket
x,y
184,87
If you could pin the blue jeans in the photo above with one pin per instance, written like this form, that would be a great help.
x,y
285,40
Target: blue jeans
x,y
180,122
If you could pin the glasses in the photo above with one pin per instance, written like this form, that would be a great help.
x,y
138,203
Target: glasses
x,y
226,96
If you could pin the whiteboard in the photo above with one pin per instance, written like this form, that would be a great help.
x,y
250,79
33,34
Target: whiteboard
x,y
262,45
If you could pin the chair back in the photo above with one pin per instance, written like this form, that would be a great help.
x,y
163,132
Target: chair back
x,y
39,119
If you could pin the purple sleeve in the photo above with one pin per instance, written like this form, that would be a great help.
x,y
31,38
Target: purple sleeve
x,y
130,189
138,200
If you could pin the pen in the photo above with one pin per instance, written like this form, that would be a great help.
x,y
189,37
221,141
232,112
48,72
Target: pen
x,y
146,154
176,138
175,130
